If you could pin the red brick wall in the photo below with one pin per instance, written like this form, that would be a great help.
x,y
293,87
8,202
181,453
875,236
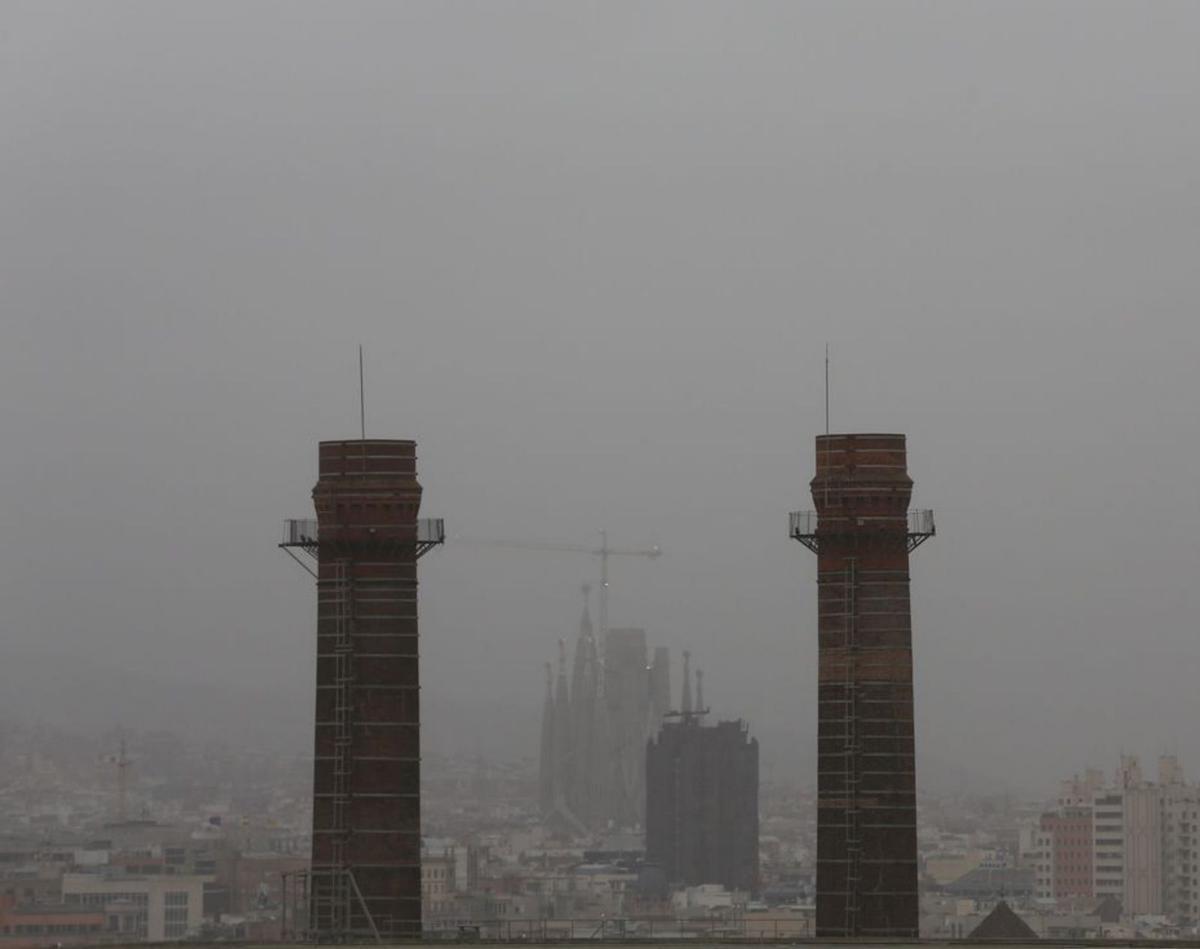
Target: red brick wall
x,y
866,782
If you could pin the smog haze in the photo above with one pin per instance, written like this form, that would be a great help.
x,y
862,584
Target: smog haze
x,y
594,254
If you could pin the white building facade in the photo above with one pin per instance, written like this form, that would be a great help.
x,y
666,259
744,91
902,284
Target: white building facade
x,y
166,907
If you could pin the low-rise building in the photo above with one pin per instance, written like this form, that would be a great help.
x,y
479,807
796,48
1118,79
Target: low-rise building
x,y
56,924
164,907
437,885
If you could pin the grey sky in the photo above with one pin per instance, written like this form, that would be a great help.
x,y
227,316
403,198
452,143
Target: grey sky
x,y
594,252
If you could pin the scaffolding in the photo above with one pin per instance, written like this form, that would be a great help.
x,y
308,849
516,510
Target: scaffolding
x,y
298,904
325,903
329,905
850,748
853,738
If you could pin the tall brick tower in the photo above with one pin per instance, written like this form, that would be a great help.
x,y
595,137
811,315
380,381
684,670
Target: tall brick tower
x,y
862,533
365,879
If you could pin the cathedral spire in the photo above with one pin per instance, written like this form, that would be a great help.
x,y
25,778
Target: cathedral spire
x,y
585,624
660,687
562,729
585,649
583,712
546,762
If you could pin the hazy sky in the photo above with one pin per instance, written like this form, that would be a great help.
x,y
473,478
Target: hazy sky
x,y
594,252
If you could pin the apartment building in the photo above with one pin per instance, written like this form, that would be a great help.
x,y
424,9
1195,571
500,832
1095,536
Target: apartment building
x,y
150,908
1143,823
1070,852
1108,841
1040,856
437,885
1181,853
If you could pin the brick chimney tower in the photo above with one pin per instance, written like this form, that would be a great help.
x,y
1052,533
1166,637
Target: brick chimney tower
x,y
863,533
365,879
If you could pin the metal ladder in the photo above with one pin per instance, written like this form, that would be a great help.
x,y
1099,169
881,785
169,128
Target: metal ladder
x,y
330,888
853,831
343,651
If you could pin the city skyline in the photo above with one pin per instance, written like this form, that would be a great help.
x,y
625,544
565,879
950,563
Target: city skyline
x,y
595,259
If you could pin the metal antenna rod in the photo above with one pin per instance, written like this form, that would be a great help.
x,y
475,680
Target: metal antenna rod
x,y
827,422
363,401
826,388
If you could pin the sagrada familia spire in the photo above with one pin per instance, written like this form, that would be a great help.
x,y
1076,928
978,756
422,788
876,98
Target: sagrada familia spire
x,y
546,758
593,751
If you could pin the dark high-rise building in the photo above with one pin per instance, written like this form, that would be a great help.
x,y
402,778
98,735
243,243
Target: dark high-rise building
x,y
702,803
862,533
365,878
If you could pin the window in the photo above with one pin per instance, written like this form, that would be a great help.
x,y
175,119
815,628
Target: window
x,y
175,914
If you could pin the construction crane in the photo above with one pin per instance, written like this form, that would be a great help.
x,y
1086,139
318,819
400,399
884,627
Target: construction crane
x,y
603,552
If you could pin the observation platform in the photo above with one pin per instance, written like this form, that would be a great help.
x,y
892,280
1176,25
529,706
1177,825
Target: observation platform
x,y
803,526
302,534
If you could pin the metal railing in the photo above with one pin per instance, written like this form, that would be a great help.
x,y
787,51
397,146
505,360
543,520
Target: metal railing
x,y
303,531
802,523
610,929
921,522
431,530
300,532
804,526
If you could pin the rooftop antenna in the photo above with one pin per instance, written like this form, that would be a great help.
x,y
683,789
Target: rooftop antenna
x,y
363,400
827,423
362,408
826,385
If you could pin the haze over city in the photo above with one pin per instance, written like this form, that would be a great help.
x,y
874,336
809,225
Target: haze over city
x,y
594,254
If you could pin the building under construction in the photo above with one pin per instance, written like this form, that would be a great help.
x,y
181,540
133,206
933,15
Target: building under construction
x,y
702,803
365,879
863,533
